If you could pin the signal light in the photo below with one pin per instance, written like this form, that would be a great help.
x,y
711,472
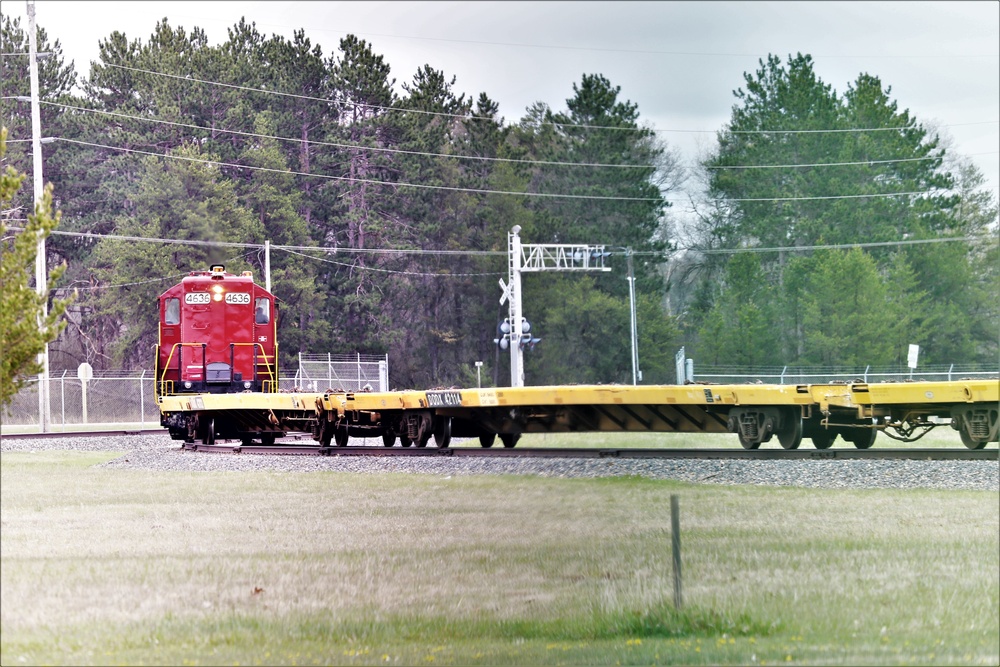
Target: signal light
x,y
529,343
503,339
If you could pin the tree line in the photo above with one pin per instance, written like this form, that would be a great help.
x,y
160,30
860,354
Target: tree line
x,y
866,173
395,208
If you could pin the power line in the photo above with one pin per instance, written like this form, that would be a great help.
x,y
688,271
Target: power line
x,y
294,249
817,198
834,246
470,117
824,164
260,246
852,129
390,271
348,146
475,190
477,157
362,180
94,288
469,157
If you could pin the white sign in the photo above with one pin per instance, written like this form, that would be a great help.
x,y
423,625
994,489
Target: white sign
x,y
85,372
911,358
197,298
506,292
238,298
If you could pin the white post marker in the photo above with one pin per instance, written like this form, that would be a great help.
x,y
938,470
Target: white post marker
x,y
911,358
85,372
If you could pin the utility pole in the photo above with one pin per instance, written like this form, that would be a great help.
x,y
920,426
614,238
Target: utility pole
x,y
636,373
41,278
267,265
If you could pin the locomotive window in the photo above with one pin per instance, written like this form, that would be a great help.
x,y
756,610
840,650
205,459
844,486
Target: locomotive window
x,y
262,311
172,312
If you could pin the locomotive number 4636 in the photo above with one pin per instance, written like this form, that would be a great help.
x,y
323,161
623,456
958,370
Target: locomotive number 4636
x,y
238,298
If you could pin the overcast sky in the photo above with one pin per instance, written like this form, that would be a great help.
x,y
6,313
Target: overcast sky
x,y
679,61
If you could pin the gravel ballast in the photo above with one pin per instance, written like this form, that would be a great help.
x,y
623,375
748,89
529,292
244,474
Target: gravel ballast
x,y
159,452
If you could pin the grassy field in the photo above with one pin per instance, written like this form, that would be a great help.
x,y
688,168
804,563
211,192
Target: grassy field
x,y
111,566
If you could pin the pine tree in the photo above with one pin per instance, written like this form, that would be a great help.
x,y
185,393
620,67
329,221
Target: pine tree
x,y
24,330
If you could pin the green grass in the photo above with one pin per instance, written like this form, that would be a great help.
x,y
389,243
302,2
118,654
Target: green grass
x,y
111,566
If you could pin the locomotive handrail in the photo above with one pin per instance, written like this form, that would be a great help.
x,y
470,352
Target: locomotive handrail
x,y
166,366
272,374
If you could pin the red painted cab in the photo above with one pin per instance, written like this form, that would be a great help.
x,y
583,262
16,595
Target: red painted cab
x,y
217,335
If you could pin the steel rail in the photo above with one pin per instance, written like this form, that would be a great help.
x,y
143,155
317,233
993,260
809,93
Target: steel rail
x,y
954,454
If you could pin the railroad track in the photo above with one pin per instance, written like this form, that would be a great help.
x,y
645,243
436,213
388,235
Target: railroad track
x,y
545,452
923,454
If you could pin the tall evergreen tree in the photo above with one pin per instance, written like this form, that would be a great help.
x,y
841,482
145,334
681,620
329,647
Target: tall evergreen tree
x,y
174,200
24,330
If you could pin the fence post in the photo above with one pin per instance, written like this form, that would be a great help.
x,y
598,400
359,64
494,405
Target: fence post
x,y
62,397
83,398
675,544
142,400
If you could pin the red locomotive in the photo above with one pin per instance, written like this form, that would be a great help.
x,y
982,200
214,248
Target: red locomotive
x,y
218,334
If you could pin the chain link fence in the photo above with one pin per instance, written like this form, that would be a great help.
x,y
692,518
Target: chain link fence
x,y
109,398
820,375
127,398
350,372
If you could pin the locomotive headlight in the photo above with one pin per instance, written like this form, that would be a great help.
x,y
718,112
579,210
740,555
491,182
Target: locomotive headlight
x,y
246,385
217,296
187,385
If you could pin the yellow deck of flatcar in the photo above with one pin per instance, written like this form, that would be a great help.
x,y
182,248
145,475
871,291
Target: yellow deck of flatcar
x,y
836,395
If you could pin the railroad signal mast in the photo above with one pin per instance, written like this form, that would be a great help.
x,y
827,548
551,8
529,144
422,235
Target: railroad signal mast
x,y
534,258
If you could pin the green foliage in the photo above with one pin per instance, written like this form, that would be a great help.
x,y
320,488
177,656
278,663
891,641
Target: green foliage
x,y
342,161
739,328
27,321
179,200
586,335
886,182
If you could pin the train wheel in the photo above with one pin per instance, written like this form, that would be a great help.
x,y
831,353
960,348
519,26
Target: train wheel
x,y
487,439
442,431
968,441
790,434
509,439
388,439
823,439
746,444
325,433
340,435
405,441
862,438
